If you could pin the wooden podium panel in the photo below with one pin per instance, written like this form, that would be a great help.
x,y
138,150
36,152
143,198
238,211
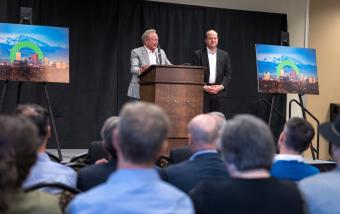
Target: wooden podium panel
x,y
178,90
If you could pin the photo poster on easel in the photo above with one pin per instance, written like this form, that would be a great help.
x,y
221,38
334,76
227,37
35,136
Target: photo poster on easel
x,y
34,53
282,69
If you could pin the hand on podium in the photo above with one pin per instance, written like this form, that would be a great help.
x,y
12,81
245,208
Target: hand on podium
x,y
143,68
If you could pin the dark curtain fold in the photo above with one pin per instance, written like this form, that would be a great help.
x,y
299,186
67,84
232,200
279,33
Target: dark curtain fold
x,y
102,34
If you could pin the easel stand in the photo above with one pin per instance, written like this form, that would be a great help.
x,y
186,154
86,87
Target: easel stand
x,y
314,151
3,93
272,109
52,121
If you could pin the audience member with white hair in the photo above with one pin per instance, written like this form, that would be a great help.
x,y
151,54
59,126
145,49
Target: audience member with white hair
x,y
205,163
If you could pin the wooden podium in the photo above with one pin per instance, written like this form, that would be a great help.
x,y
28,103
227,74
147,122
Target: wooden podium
x,y
178,90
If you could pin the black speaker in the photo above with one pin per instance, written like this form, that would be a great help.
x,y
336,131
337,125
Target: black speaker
x,y
334,111
284,38
25,15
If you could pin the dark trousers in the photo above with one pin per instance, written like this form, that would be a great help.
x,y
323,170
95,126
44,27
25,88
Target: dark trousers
x,y
211,102
132,99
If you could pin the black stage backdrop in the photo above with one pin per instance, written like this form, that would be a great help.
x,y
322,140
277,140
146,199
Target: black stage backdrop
x,y
102,34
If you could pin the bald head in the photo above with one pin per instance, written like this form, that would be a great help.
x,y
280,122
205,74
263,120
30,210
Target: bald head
x,y
211,39
203,129
220,118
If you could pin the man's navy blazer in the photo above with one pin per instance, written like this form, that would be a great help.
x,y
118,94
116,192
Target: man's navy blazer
x,y
187,174
93,175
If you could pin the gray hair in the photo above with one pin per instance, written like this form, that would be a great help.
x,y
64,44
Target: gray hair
x,y
143,128
247,143
106,133
204,128
221,120
146,34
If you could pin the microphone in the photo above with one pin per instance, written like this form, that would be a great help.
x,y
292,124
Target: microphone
x,y
159,55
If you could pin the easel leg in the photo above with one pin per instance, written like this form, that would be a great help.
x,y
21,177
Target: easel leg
x,y
53,123
304,116
3,93
271,111
19,93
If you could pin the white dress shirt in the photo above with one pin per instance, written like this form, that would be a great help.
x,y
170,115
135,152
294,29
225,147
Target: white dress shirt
x,y
212,56
288,157
152,56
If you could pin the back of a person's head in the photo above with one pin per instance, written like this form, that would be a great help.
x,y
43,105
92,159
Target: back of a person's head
x,y
221,119
18,143
143,128
38,115
247,143
106,134
299,134
203,129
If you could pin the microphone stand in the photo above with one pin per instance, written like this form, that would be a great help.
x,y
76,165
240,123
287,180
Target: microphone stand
x,y
159,55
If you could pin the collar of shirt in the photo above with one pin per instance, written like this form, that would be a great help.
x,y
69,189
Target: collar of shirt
x,y
150,51
147,175
202,152
152,56
287,157
211,52
43,157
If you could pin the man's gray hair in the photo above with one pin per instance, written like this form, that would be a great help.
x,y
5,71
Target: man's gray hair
x,y
146,34
106,133
247,142
221,120
143,128
204,129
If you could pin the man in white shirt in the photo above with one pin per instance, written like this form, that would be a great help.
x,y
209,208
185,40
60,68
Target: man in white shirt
x,y
142,58
218,73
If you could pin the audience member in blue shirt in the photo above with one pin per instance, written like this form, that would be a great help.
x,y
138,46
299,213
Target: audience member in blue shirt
x,y
135,187
44,169
293,141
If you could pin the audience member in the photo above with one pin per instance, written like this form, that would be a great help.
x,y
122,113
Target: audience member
x,y
93,175
247,147
135,187
322,191
205,163
44,169
293,141
183,153
18,142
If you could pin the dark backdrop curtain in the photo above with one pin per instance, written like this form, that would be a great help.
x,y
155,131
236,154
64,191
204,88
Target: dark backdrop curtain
x,y
102,34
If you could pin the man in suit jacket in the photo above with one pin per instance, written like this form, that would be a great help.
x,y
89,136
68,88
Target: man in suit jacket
x,y
143,57
218,73
93,175
205,163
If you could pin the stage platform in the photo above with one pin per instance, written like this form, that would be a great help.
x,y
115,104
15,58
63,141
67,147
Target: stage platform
x,y
67,154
